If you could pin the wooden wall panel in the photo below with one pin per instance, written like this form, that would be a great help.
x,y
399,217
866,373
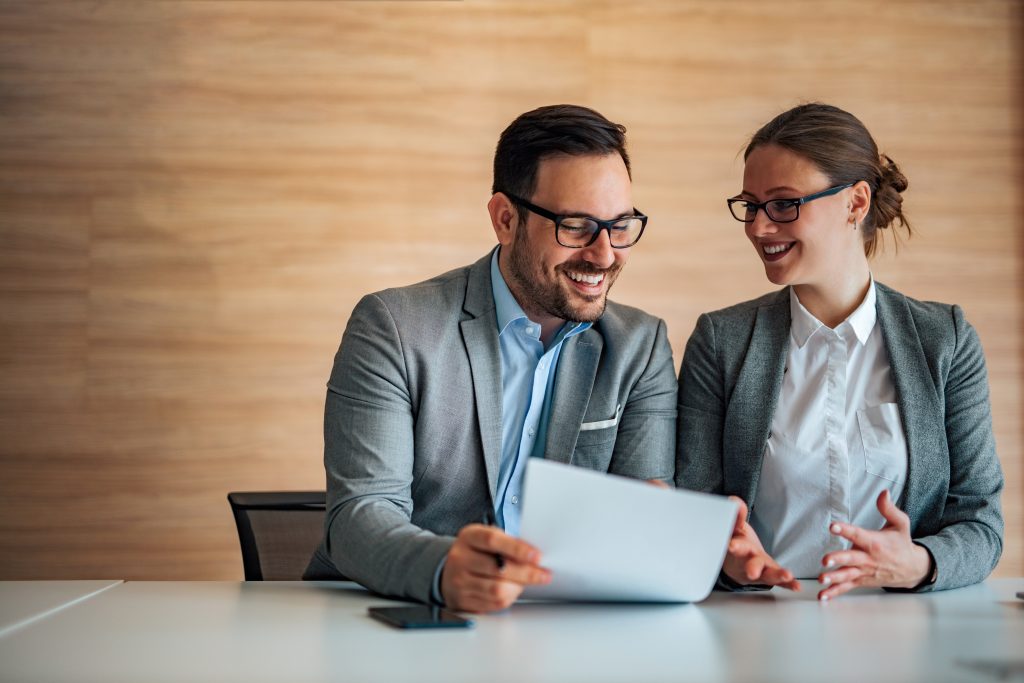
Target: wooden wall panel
x,y
193,195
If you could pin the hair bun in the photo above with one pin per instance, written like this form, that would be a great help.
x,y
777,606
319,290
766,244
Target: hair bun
x,y
892,176
887,207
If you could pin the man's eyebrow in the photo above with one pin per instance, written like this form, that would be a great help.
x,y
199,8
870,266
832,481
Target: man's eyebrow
x,y
579,214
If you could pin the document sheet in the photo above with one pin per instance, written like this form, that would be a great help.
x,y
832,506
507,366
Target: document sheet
x,y
609,538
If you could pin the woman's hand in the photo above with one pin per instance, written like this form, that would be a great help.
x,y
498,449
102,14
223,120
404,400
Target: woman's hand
x,y
746,561
888,557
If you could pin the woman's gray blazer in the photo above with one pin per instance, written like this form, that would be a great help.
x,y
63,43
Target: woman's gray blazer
x,y
730,381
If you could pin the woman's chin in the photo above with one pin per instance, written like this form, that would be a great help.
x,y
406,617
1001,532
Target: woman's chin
x,y
776,276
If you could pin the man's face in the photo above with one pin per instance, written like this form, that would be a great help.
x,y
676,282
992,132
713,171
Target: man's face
x,y
554,282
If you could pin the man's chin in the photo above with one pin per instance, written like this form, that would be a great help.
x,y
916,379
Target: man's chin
x,y
590,312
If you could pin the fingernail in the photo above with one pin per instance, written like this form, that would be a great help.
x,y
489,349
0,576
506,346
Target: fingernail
x,y
830,563
824,598
836,528
826,580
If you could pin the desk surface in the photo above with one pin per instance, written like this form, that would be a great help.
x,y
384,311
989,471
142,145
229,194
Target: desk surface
x,y
23,602
291,632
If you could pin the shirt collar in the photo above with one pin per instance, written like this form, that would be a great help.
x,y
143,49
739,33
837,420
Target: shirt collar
x,y
862,321
507,310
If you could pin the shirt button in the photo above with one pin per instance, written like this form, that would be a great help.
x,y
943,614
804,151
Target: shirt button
x,y
515,500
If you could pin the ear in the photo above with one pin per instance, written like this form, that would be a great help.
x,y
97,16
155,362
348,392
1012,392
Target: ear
x,y
860,201
504,218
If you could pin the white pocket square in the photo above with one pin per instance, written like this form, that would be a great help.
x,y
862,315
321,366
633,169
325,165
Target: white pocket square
x,y
603,424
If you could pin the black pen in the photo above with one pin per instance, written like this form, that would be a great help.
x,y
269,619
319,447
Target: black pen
x,y
489,520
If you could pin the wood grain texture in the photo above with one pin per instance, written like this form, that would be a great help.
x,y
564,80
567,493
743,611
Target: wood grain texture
x,y
193,195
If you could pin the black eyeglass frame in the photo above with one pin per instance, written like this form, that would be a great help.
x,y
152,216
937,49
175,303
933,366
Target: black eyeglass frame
x,y
796,203
601,225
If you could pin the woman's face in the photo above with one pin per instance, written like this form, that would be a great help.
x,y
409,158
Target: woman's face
x,y
819,247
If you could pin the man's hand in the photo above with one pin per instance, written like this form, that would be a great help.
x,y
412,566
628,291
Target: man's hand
x,y
888,557
472,581
747,562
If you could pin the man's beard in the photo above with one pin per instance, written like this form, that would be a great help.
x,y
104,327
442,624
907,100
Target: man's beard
x,y
551,298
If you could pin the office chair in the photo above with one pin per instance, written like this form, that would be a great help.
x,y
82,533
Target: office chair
x,y
278,531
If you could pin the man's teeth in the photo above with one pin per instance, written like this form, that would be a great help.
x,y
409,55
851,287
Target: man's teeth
x,y
776,249
587,279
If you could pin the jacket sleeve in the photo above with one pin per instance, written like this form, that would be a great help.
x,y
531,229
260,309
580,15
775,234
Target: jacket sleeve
x,y
699,454
969,542
701,413
645,441
368,458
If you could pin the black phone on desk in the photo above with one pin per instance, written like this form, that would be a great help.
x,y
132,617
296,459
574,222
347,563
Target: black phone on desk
x,y
419,616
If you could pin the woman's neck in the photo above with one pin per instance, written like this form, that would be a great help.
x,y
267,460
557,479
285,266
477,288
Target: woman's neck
x,y
834,302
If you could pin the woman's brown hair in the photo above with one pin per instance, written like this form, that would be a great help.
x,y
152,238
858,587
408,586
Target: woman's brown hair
x,y
843,149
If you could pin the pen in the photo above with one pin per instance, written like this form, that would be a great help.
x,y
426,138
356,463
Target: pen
x,y
490,521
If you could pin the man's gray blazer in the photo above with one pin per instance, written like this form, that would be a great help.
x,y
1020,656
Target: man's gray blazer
x,y
412,426
730,381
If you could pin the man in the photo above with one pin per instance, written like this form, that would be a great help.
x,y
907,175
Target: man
x,y
443,390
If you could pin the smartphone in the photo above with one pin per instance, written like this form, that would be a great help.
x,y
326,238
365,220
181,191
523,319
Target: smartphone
x,y
419,616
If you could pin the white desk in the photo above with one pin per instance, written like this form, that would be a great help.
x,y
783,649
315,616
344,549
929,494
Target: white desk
x,y
23,602
293,632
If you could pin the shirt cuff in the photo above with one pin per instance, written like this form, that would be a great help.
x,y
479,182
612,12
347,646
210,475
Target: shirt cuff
x,y
435,587
933,571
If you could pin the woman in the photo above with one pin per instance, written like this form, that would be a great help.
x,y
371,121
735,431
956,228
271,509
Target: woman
x,y
854,420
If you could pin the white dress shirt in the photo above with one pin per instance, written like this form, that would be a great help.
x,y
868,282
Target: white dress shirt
x,y
836,439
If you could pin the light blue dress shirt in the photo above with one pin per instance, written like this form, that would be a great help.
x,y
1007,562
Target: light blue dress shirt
x,y
527,375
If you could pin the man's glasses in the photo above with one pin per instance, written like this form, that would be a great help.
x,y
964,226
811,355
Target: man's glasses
x,y
577,232
777,210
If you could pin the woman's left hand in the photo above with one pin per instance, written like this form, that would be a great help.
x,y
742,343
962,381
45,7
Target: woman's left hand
x,y
887,557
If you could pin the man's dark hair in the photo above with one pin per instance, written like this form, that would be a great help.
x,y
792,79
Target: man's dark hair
x,y
550,131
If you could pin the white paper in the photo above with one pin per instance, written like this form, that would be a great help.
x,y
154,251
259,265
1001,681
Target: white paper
x,y
609,538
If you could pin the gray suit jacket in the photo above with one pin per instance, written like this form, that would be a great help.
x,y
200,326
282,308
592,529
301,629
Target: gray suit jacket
x,y
730,381
412,427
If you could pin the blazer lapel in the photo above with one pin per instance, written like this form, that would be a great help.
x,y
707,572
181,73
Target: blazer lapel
x,y
916,397
480,335
570,396
755,396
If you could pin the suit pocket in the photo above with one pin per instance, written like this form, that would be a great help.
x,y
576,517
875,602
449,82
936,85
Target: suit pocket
x,y
596,442
603,424
885,446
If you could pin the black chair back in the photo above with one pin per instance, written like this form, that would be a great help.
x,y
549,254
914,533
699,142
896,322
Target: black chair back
x,y
278,531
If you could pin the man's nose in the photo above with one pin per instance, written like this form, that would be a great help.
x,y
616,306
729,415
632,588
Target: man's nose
x,y
600,253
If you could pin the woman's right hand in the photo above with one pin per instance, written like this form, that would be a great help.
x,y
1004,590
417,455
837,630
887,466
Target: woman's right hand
x,y
746,561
